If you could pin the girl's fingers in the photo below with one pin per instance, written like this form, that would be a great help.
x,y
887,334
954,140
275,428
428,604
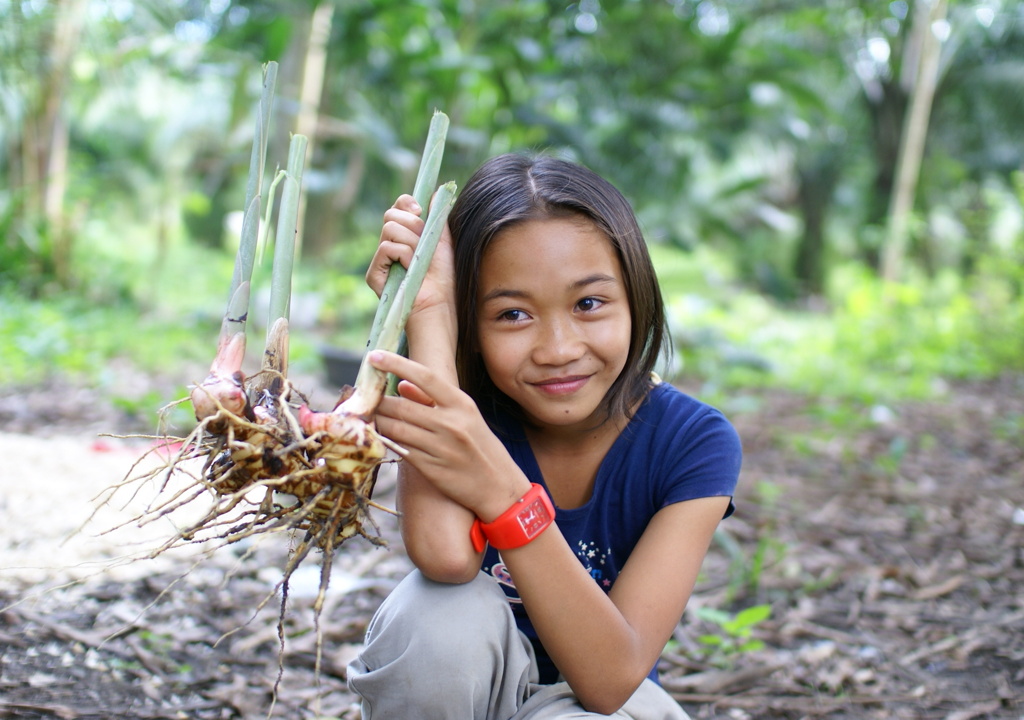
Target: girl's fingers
x,y
388,253
398,239
411,392
427,383
408,203
402,224
396,219
394,421
446,439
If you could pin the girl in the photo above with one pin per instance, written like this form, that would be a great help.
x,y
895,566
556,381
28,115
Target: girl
x,y
557,500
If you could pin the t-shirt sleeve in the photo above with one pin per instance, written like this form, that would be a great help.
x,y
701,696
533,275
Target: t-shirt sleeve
x,y
702,459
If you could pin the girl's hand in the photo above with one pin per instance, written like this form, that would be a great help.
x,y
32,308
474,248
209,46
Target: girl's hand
x,y
398,240
449,442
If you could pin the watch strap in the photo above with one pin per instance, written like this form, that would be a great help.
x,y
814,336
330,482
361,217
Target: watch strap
x,y
525,520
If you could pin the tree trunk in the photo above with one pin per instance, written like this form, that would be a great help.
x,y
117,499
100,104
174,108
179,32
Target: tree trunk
x,y
41,170
886,108
817,181
313,73
915,131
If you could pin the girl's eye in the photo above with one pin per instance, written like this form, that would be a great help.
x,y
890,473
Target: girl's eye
x,y
589,303
512,315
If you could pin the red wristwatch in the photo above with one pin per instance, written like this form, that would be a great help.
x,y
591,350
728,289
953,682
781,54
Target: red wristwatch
x,y
521,523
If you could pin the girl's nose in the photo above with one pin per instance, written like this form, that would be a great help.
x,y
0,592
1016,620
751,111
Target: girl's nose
x,y
559,343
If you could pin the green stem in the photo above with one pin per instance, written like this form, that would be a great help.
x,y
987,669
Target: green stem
x,y
268,214
430,164
426,181
371,382
287,225
238,297
398,316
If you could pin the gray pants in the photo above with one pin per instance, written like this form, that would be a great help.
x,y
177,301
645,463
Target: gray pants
x,y
436,652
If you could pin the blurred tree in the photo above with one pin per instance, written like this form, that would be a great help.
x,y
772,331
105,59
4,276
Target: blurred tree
x,y
748,125
975,136
980,86
35,57
928,19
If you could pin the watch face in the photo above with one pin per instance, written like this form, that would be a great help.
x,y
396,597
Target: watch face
x,y
533,518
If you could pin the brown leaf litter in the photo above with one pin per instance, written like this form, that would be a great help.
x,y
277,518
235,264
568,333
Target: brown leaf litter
x,y
889,542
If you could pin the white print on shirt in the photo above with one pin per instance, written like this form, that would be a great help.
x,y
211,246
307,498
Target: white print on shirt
x,y
594,560
502,575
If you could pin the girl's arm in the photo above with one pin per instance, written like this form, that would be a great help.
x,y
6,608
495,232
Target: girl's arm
x,y
604,644
434,529
448,442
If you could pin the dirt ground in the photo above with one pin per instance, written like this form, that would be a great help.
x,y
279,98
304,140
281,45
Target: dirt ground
x,y
891,554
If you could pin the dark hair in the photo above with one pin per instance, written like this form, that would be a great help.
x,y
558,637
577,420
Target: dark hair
x,y
513,188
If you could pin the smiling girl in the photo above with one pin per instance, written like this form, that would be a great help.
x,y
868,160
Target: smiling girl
x,y
557,499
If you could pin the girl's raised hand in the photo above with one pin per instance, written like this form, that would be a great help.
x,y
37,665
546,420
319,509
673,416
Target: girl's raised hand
x,y
399,237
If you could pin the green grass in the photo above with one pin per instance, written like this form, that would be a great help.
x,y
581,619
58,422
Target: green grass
x,y
870,344
163,313
70,337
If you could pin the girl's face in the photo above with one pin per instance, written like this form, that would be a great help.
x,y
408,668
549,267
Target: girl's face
x,y
553,319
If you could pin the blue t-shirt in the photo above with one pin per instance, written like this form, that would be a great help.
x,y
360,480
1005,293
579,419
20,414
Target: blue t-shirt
x,y
675,448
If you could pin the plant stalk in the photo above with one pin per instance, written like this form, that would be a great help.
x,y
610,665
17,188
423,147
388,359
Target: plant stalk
x,y
426,181
371,382
287,225
275,350
238,296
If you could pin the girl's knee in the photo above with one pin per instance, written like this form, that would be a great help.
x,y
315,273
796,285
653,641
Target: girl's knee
x,y
438,646
430,616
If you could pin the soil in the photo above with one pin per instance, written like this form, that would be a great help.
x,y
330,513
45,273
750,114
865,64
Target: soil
x,y
887,542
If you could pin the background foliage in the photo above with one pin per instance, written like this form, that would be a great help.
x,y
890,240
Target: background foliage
x,y
758,142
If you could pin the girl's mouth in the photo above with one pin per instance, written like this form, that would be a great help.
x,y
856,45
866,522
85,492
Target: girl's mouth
x,y
562,385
